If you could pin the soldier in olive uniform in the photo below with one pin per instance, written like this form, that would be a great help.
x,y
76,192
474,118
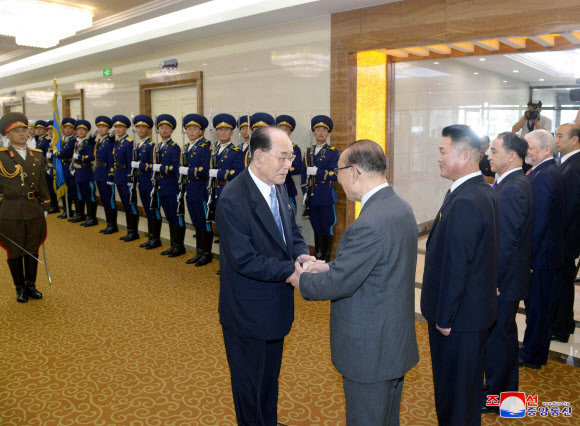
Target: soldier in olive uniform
x,y
25,199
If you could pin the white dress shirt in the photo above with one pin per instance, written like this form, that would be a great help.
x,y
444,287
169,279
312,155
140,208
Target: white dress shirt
x,y
507,173
372,192
463,179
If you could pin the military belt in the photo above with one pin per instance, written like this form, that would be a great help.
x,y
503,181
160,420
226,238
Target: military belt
x,y
101,164
66,160
222,182
28,196
189,179
120,166
321,181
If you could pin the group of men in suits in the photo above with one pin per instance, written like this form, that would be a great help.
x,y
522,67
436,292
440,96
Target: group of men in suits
x,y
166,173
491,247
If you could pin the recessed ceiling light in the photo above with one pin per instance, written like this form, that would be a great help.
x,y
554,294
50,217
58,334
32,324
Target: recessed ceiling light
x,y
516,71
541,79
475,73
204,63
504,81
482,59
435,63
245,69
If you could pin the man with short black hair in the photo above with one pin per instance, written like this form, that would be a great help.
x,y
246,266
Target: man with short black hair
x,y
516,222
532,120
458,297
256,306
568,144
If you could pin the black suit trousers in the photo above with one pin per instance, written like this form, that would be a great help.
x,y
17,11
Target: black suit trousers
x,y
501,358
538,320
255,368
563,305
458,361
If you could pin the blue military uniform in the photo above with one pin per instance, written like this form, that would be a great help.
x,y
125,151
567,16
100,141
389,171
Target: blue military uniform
x,y
244,146
105,175
230,160
195,171
145,152
122,154
296,168
323,201
44,143
170,159
84,153
65,154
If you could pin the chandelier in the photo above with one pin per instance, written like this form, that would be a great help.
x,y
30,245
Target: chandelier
x,y
301,62
40,96
41,24
94,90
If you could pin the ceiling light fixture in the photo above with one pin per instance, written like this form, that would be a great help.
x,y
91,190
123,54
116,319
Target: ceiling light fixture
x,y
301,62
482,59
41,24
94,89
516,71
541,79
199,16
40,96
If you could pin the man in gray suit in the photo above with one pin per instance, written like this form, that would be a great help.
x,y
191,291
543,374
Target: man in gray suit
x,y
372,288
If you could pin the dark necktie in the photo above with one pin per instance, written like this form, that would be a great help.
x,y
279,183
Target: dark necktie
x,y
494,184
447,195
559,160
276,211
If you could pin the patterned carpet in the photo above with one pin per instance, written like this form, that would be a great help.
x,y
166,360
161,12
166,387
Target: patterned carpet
x,y
125,336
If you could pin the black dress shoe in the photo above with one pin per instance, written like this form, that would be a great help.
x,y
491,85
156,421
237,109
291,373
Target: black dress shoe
x,y
485,388
559,338
62,215
485,409
523,363
54,210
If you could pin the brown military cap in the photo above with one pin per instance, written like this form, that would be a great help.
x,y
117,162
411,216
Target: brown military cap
x,y
11,121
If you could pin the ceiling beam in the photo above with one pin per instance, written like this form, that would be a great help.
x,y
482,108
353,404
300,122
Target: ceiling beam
x,y
544,40
439,48
573,38
492,45
394,52
515,42
419,51
463,47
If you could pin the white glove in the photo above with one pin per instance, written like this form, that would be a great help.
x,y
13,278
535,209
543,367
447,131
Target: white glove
x,y
311,171
156,167
45,213
304,199
213,173
72,172
135,164
49,154
75,156
130,185
49,171
183,170
111,183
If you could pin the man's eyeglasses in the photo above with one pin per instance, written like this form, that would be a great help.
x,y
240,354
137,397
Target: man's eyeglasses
x,y
290,158
346,167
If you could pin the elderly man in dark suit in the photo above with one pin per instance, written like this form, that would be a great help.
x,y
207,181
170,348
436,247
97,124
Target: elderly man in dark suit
x,y
568,143
372,287
459,298
547,246
258,250
516,222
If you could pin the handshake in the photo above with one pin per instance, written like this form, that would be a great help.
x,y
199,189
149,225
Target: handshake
x,y
306,263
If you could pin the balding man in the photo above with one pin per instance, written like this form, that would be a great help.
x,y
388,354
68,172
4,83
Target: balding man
x,y
372,288
568,143
459,298
547,246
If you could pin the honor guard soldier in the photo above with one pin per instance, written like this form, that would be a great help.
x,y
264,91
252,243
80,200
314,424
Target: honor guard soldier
x,y
122,154
230,160
145,150
44,143
50,168
244,128
288,124
257,120
323,171
32,137
65,154
105,172
168,170
195,170
83,171
25,199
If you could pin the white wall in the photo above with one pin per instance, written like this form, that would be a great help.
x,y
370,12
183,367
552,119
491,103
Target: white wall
x,y
237,73
430,96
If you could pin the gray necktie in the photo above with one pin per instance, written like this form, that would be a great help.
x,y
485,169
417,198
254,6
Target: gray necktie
x,y
275,210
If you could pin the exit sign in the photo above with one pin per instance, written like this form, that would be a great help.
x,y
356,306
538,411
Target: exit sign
x,y
108,71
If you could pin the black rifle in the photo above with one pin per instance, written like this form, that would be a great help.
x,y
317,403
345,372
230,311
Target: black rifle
x,y
134,172
154,205
310,184
210,215
183,179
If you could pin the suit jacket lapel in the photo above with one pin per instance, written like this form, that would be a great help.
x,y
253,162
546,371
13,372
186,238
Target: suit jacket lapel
x,y
263,211
508,178
284,207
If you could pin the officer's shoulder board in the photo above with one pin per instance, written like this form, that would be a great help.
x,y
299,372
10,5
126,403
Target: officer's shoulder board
x,y
294,145
129,139
332,148
151,142
3,149
36,150
235,148
172,143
